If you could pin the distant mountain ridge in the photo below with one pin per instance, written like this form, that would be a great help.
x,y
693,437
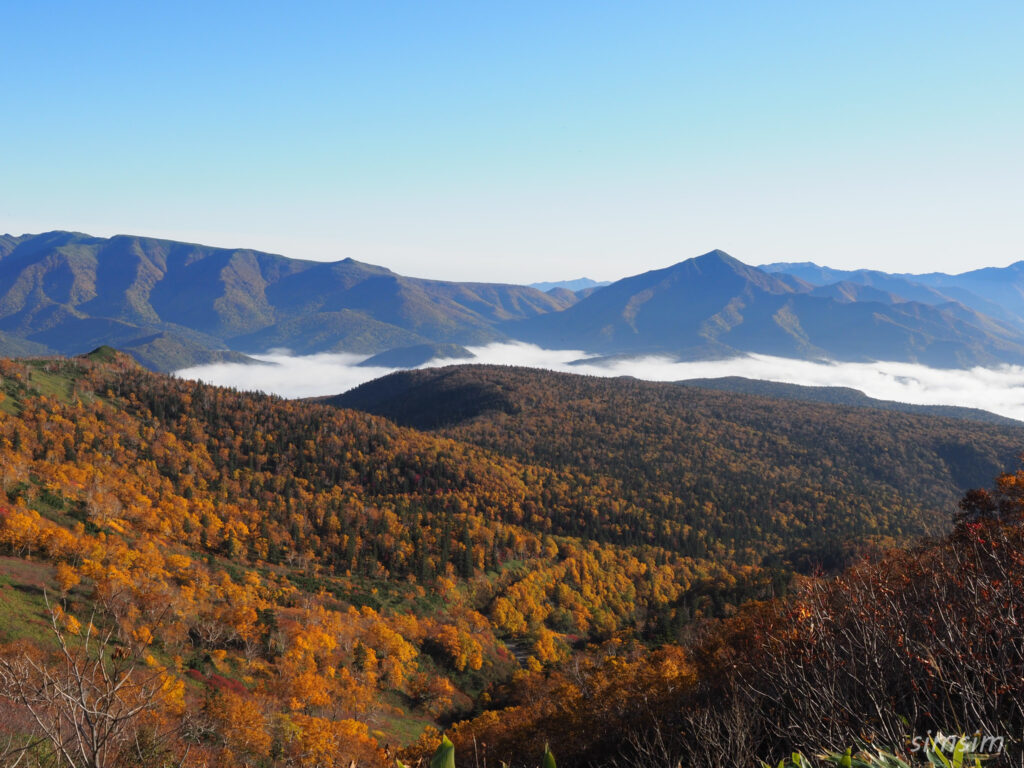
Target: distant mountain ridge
x,y
417,355
845,396
579,284
173,305
68,292
995,291
715,306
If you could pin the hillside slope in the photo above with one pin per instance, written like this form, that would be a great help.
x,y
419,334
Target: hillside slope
x,y
328,575
290,579
843,396
709,472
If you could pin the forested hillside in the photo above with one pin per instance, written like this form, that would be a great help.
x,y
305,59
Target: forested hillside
x,y
305,580
705,472
913,658
236,579
842,396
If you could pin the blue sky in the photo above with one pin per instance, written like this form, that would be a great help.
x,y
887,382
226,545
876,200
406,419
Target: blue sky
x,y
524,141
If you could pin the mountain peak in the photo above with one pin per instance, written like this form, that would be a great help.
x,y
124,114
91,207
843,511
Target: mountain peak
x,y
718,254
716,261
348,261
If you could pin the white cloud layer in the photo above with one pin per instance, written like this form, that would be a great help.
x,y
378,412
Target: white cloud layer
x,y
1000,390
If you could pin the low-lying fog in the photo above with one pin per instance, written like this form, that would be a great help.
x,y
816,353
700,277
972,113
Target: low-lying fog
x,y
1000,390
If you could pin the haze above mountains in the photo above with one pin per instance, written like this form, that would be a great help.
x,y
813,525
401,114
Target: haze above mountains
x,y
173,305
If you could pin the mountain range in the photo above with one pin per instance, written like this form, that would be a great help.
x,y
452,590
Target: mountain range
x,y
994,291
714,306
172,305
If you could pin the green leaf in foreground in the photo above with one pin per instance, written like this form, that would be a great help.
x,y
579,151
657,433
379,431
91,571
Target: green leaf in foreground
x,y
444,757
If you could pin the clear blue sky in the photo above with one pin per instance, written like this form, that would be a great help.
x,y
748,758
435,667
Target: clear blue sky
x,y
524,141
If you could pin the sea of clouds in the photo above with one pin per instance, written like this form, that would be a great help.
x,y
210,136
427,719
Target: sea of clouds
x,y
999,390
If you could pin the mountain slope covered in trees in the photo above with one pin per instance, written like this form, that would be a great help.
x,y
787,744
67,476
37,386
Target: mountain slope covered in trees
x,y
842,396
303,580
706,471
911,658
286,583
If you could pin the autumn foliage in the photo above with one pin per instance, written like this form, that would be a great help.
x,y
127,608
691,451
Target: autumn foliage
x,y
306,586
319,581
916,642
